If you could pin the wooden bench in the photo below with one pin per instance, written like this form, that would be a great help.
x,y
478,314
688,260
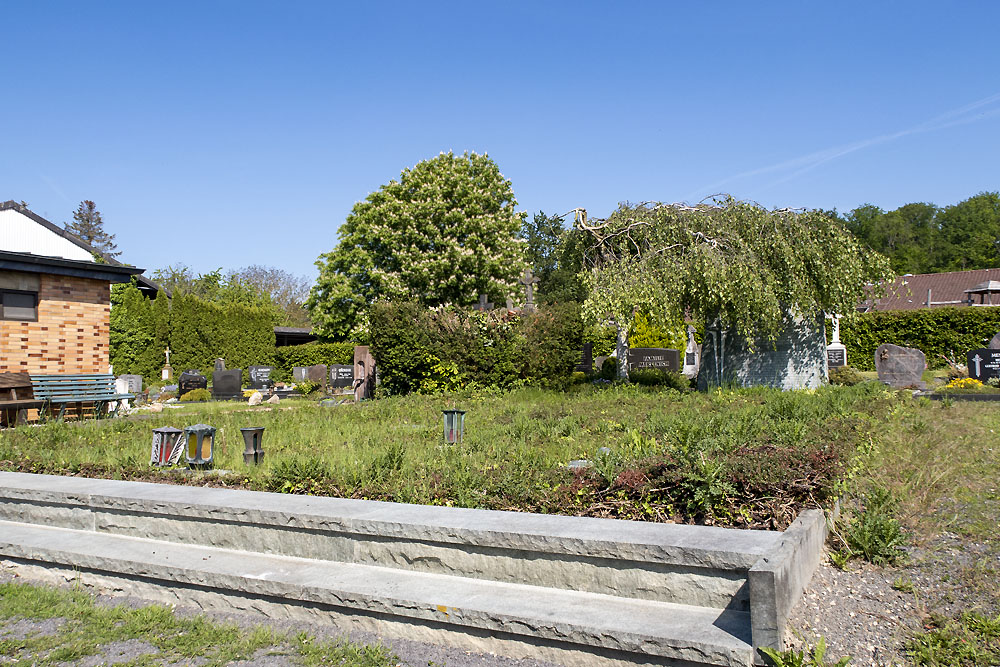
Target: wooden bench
x,y
16,398
97,389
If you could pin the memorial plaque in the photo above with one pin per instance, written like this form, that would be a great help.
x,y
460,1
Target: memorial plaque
x,y
661,358
227,385
586,363
341,376
300,373
260,376
189,381
983,364
836,356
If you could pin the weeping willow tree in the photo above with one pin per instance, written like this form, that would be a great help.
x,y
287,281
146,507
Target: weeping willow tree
x,y
729,262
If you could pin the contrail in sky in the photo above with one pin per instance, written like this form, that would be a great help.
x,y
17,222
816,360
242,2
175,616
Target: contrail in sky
x,y
800,165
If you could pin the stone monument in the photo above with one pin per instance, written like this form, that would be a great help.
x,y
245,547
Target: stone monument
x,y
836,353
900,367
692,355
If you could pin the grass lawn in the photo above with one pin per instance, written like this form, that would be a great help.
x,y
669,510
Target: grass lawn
x,y
748,458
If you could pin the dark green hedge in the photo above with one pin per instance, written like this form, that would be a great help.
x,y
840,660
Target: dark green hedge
x,y
947,331
310,354
422,350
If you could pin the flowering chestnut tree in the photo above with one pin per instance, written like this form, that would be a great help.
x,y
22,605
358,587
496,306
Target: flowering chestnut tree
x,y
443,233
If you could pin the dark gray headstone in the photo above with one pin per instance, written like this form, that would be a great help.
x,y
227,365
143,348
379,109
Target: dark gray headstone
x,y
586,363
317,374
134,383
900,367
300,373
260,376
984,364
995,342
341,376
227,385
654,357
189,381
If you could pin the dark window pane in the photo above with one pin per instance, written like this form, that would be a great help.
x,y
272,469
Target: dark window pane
x,y
19,306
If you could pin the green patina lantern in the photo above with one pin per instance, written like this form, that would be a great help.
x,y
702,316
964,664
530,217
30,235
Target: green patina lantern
x,y
200,445
454,425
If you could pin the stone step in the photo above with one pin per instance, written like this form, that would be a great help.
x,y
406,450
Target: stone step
x,y
694,565
567,627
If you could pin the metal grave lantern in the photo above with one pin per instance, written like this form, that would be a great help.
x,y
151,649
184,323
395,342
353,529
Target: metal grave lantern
x,y
253,454
200,445
454,425
167,446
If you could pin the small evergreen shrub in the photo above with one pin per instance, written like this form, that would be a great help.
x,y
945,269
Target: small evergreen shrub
x,y
196,395
609,369
845,376
655,377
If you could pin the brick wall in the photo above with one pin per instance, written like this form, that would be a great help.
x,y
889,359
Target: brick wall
x,y
71,334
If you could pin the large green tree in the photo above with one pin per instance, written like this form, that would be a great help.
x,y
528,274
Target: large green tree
x,y
970,234
730,260
555,255
89,226
445,232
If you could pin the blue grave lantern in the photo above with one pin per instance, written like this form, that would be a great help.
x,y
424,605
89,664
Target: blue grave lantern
x,y
454,425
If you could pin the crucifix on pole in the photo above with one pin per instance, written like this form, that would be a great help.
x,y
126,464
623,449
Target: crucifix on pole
x,y
529,280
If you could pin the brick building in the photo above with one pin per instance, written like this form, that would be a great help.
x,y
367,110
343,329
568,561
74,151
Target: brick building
x,y
55,300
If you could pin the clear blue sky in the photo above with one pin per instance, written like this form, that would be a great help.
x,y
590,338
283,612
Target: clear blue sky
x,y
221,134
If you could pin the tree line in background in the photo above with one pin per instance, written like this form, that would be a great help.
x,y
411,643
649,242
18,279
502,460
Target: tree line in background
x,y
924,238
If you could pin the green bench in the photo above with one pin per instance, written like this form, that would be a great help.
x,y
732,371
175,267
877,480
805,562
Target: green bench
x,y
63,390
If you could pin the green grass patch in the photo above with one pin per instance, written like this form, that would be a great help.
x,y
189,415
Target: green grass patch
x,y
970,640
88,626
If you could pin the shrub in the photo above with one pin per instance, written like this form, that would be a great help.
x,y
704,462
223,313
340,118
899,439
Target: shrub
x,y
309,354
196,395
655,377
845,376
937,332
307,386
874,533
609,369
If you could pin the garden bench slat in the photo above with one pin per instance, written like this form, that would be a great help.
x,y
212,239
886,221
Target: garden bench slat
x,y
96,388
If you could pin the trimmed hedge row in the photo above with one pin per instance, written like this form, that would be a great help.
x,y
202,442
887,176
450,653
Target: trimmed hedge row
x,y
422,350
309,354
937,332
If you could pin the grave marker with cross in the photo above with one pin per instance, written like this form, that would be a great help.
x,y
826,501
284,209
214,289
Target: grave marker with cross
x,y
529,280
483,303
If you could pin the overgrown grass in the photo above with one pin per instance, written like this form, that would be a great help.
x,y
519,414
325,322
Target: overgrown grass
x,y
87,626
734,457
969,641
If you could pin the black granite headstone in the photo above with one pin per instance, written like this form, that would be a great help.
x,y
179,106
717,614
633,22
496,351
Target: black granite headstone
x,y
586,363
983,364
227,385
260,376
836,356
341,376
654,357
189,381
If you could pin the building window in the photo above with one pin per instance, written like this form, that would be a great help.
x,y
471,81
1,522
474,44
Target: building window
x,y
18,305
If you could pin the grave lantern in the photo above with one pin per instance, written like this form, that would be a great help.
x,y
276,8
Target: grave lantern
x,y
167,446
253,454
454,425
200,445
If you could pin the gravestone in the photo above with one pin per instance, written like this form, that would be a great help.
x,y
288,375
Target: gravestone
x,y
654,357
984,364
317,374
900,367
260,376
220,364
189,381
341,376
227,385
132,384
364,373
484,304
300,373
529,280
836,352
586,363
692,355
995,342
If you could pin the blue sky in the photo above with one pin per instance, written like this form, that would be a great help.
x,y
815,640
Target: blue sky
x,y
222,134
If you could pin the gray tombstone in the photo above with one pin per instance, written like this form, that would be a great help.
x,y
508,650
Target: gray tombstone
x,y
260,376
227,385
984,364
586,363
317,374
654,357
692,355
133,383
220,364
189,381
900,367
995,343
342,376
300,373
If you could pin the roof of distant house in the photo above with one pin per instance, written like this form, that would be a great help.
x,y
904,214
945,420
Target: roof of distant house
x,y
145,284
935,290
